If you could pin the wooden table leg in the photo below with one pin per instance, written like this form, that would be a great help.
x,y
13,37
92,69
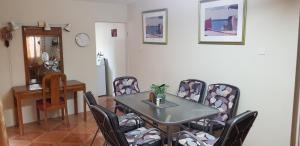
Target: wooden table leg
x,y
20,118
16,111
84,107
75,103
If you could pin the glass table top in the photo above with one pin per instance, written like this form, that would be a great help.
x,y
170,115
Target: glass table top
x,y
184,111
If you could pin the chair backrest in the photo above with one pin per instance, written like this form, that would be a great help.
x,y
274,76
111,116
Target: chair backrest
x,y
90,99
52,84
109,126
125,85
225,98
236,129
192,90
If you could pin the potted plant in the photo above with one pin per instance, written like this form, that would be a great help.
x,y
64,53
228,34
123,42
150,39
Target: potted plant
x,y
160,91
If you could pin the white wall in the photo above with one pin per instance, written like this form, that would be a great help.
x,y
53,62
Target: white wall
x,y
79,62
113,49
266,81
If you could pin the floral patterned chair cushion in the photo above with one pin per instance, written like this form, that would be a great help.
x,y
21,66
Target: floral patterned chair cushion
x,y
130,122
144,137
125,86
192,90
225,98
196,139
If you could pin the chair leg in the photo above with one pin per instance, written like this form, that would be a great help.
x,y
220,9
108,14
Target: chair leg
x,y
62,114
67,116
95,136
115,110
38,115
155,124
46,120
177,142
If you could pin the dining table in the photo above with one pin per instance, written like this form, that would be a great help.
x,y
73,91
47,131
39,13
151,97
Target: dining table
x,y
173,112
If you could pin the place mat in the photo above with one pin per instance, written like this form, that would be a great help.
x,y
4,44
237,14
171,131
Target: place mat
x,y
167,104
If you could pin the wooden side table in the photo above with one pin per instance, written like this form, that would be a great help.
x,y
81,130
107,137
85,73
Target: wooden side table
x,y
22,92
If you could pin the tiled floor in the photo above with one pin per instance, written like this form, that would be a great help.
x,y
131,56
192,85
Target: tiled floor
x,y
79,133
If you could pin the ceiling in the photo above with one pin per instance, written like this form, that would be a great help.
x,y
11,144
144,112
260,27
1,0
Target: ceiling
x,y
110,1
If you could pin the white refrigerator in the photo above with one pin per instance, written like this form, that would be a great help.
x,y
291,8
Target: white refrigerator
x,y
101,78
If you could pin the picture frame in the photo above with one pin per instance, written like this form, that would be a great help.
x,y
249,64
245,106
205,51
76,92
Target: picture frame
x,y
114,32
155,26
222,22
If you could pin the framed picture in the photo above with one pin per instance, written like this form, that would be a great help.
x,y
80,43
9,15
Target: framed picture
x,y
222,22
114,33
155,27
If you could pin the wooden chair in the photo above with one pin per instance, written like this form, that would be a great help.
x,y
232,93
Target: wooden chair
x,y
53,86
3,133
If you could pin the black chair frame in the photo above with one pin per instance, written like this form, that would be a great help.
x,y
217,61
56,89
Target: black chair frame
x,y
211,126
232,135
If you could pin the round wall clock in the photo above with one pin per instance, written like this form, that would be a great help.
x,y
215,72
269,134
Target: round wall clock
x,y
82,39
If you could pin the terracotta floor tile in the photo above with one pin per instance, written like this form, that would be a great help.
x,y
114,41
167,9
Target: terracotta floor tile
x,y
71,144
12,131
63,127
99,141
76,138
42,144
76,120
28,136
19,142
80,133
52,123
85,129
53,136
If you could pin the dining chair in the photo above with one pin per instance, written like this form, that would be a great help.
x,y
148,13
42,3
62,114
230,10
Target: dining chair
x,y
225,98
127,122
234,133
53,97
192,90
110,128
124,86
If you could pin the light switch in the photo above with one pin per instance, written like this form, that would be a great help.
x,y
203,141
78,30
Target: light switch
x,y
261,51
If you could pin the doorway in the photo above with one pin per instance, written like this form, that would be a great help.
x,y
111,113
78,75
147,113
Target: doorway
x,y
295,135
111,44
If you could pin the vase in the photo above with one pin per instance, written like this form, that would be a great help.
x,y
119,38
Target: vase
x,y
162,97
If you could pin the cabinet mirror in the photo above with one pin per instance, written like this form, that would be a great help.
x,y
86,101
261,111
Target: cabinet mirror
x,y
43,52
